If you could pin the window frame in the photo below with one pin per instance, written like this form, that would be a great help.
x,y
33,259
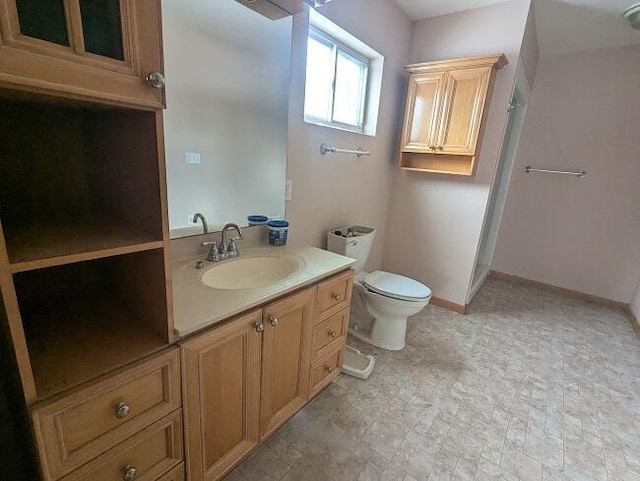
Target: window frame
x,y
337,47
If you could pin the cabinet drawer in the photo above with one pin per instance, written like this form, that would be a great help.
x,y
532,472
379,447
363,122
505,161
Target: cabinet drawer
x,y
334,295
176,474
77,428
325,370
329,333
145,456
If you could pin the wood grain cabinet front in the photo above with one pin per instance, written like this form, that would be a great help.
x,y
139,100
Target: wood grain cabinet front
x,y
75,429
444,113
222,396
109,50
144,457
334,295
286,358
324,370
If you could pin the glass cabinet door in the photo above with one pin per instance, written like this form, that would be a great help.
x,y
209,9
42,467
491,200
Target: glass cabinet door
x,y
43,19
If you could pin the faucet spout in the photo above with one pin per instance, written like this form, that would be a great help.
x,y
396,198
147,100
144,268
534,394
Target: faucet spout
x,y
205,227
229,227
230,248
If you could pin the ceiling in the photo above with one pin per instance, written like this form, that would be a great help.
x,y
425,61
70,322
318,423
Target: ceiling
x,y
419,9
563,25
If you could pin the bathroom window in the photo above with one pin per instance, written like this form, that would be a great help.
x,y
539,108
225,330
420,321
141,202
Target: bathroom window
x,y
336,83
343,78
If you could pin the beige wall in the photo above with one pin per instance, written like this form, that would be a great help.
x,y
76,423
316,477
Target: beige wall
x,y
335,189
530,53
635,303
435,221
579,234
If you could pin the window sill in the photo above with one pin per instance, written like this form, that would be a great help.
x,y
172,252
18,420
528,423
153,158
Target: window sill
x,y
337,127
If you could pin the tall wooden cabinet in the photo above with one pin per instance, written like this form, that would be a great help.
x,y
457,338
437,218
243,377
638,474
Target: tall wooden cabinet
x,y
84,244
108,50
444,113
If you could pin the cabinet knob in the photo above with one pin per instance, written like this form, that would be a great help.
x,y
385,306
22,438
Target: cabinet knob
x,y
335,296
156,80
329,369
273,321
129,473
333,334
432,147
122,410
440,147
258,326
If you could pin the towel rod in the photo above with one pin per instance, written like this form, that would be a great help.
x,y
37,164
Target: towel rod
x,y
579,173
325,149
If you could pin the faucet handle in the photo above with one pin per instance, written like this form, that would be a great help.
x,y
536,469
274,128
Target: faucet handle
x,y
213,256
233,248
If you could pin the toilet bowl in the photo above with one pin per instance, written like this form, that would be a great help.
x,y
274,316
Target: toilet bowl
x,y
381,301
381,304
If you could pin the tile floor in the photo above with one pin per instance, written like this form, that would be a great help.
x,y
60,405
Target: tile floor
x,y
528,386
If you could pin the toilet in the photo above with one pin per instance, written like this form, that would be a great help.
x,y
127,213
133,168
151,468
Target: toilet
x,y
381,301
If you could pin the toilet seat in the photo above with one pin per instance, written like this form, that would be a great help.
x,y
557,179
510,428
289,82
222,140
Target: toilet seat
x,y
396,286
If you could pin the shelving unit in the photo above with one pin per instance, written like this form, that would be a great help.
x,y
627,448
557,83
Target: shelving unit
x,y
83,238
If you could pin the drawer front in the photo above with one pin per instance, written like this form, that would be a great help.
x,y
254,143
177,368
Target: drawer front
x,y
329,333
324,370
334,295
144,457
176,474
77,428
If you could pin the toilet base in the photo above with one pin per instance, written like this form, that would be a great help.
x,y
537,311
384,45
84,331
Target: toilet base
x,y
366,337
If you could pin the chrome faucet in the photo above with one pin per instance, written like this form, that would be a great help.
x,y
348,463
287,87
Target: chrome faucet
x,y
227,250
230,249
205,227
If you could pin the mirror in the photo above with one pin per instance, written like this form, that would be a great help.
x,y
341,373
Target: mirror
x,y
227,71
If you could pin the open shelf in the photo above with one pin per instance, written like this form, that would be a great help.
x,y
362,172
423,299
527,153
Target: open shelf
x,y
77,181
438,163
85,319
38,246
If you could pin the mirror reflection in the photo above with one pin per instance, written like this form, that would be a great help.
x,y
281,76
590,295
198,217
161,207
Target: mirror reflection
x,y
227,71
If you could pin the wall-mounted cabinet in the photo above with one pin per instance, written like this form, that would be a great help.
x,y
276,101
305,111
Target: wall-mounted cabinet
x,y
85,49
275,9
445,112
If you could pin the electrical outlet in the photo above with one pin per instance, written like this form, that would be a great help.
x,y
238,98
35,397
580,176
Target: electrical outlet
x,y
192,157
190,220
287,191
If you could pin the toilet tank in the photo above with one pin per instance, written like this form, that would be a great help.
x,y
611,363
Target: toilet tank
x,y
353,241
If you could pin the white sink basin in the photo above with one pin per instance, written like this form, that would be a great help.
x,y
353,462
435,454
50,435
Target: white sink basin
x,y
249,272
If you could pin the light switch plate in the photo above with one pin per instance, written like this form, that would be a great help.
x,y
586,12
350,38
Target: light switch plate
x,y
192,157
287,191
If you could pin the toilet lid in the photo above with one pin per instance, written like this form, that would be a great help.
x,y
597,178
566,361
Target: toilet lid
x,y
396,286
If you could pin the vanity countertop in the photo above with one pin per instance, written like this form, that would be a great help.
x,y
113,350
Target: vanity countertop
x,y
197,306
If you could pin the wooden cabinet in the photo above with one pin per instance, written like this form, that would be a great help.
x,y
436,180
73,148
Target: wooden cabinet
x,y
275,9
285,358
444,113
222,396
83,49
245,378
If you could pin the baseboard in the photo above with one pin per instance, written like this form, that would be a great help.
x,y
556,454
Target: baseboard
x,y
452,306
633,319
560,290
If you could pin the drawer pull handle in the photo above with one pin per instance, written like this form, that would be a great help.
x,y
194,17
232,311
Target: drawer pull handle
x,y
258,326
332,334
122,410
129,473
335,296
273,321
329,369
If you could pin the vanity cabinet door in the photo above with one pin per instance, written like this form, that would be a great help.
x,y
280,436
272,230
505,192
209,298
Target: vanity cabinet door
x,y
462,111
221,396
424,104
83,48
286,353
